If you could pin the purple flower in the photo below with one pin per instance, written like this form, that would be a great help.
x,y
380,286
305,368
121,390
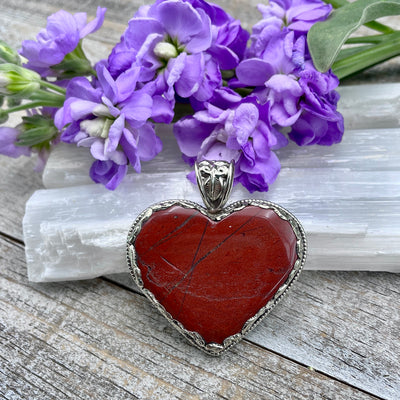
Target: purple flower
x,y
320,122
229,39
111,119
297,15
108,173
169,44
280,69
313,129
241,132
276,75
61,36
43,155
182,46
8,147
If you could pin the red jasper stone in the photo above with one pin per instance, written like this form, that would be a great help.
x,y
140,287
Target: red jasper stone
x,y
213,276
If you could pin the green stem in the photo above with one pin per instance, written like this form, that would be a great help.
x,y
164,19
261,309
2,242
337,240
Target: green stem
x,y
376,26
366,58
51,86
27,106
375,39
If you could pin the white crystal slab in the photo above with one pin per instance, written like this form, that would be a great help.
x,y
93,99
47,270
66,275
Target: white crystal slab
x,y
79,232
347,196
350,210
370,106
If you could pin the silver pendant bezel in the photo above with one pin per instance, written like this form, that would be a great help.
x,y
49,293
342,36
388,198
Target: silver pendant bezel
x,y
195,338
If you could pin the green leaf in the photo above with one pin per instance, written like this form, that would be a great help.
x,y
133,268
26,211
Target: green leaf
x,y
377,26
326,38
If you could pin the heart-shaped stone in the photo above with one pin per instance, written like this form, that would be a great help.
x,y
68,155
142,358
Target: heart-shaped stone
x,y
214,276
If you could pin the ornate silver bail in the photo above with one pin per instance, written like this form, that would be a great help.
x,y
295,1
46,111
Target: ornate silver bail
x,y
215,179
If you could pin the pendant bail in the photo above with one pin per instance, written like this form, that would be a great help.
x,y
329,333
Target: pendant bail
x,y
215,180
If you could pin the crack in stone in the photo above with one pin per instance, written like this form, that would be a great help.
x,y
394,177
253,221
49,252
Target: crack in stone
x,y
192,267
224,240
171,234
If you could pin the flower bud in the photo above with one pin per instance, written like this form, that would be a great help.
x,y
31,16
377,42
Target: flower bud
x,y
18,81
165,50
37,131
8,54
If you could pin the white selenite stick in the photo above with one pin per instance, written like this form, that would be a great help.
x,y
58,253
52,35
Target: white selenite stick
x,y
347,197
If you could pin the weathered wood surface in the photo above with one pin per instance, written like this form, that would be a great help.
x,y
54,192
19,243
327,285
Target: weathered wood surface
x,y
102,340
94,340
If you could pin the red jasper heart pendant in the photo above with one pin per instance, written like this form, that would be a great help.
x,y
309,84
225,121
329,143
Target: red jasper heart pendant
x,y
215,273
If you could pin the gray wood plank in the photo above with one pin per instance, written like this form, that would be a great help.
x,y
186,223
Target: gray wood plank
x,y
17,183
93,340
344,324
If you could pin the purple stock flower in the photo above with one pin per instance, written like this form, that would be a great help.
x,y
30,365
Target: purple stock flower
x,y
297,15
61,36
182,46
8,138
168,42
110,119
281,70
9,148
108,173
232,128
275,74
229,39
319,122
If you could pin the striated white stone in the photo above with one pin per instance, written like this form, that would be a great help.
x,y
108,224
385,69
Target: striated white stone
x,y
347,197
370,106
79,232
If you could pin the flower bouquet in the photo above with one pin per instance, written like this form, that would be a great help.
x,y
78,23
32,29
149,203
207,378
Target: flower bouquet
x,y
229,94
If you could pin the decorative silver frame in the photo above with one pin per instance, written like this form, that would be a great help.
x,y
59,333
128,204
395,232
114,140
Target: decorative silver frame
x,y
195,338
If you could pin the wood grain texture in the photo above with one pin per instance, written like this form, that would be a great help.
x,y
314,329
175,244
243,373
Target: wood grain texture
x,y
345,325
102,340
93,340
17,183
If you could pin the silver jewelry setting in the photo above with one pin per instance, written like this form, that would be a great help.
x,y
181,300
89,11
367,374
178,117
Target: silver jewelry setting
x,y
215,195
215,180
